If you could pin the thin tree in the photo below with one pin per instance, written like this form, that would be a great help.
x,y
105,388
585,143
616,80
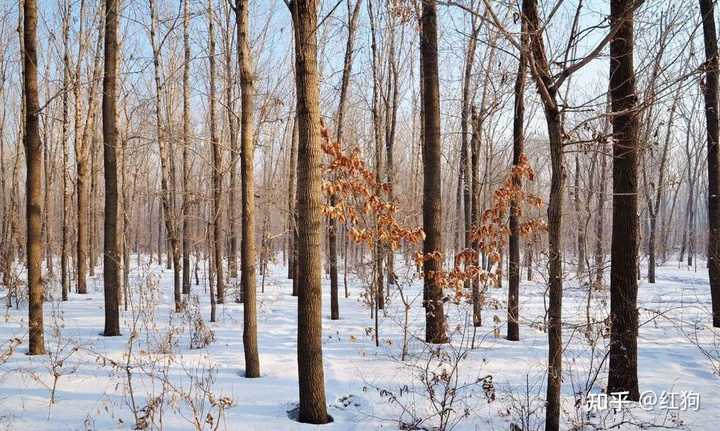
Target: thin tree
x,y
435,331
513,327
390,100
33,183
166,171
111,255
247,158
64,274
216,214
312,407
291,204
353,13
232,136
83,147
622,369
378,249
707,10
184,210
465,171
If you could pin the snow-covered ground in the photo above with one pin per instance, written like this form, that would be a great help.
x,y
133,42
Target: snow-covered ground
x,y
489,387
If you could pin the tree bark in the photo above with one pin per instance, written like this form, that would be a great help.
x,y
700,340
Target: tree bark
x,y
82,155
378,248
353,14
622,374
33,183
234,153
166,175
64,274
247,156
476,216
391,108
653,203
466,172
513,328
111,255
291,226
713,164
548,91
580,239
312,407
435,331
600,219
216,214
186,226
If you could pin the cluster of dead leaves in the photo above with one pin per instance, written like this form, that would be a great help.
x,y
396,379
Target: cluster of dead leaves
x,y
362,201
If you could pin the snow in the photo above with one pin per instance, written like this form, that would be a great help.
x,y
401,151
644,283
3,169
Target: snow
x,y
366,387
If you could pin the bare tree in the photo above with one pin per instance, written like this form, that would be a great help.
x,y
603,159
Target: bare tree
x,y
378,250
111,255
353,13
64,273
624,260
33,183
185,209
513,327
312,407
167,188
232,137
435,331
247,156
707,10
216,215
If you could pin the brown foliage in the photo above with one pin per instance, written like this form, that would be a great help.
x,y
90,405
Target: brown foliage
x,y
362,201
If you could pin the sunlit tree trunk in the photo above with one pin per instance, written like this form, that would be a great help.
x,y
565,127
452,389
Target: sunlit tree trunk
x,y
435,331
312,407
111,255
216,214
247,156
33,183
186,226
64,273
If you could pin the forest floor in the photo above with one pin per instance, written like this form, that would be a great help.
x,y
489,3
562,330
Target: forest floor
x,y
151,375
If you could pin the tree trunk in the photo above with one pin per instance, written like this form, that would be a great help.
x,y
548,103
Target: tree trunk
x,y
232,216
64,274
391,107
513,327
713,164
435,331
476,216
216,214
111,255
600,220
291,226
353,14
81,160
624,260
378,249
547,87
312,407
186,144
211,271
33,183
466,172
247,155
580,240
167,192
